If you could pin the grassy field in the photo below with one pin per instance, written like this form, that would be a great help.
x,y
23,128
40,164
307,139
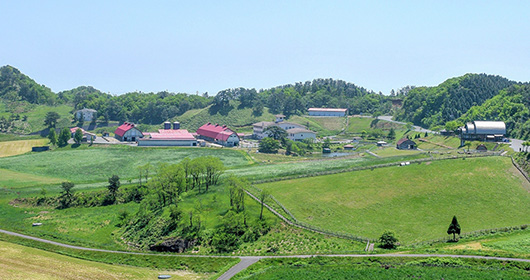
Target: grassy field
x,y
12,148
391,151
514,244
381,268
235,118
13,179
324,126
35,114
19,262
98,163
416,201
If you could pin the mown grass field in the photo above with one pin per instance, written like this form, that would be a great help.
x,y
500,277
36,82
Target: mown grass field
x,y
383,268
416,201
12,148
20,262
13,179
98,163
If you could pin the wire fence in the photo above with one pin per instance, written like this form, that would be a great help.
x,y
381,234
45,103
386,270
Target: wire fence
x,y
471,234
290,218
372,167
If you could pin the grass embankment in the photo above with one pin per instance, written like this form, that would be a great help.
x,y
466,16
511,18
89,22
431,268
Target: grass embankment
x,y
210,267
416,201
515,244
384,268
98,163
12,148
19,262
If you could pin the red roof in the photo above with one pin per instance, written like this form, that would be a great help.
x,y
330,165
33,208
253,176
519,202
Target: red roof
x,y
74,129
172,134
215,131
120,131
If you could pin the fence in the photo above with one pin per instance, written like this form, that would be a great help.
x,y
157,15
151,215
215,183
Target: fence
x,y
358,168
520,169
277,207
475,233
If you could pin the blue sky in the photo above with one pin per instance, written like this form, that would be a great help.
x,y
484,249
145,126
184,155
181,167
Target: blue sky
x,y
189,46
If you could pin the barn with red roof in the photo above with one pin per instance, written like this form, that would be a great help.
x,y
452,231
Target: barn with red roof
x,y
169,137
128,132
219,134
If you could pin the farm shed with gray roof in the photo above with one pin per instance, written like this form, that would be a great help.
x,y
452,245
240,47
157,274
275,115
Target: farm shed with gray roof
x,y
483,131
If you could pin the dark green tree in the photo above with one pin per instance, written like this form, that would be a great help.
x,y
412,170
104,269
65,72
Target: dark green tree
x,y
454,228
78,136
388,240
268,145
52,136
276,132
67,195
51,119
114,185
64,136
391,134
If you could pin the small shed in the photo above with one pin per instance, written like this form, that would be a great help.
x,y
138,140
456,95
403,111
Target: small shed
x,y
381,143
348,147
482,148
406,144
326,151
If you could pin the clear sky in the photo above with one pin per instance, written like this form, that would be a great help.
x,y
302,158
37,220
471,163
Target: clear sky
x,y
189,46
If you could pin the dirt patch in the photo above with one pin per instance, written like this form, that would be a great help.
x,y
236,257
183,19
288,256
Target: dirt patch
x,y
427,163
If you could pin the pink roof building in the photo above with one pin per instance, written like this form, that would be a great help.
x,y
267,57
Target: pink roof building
x,y
218,133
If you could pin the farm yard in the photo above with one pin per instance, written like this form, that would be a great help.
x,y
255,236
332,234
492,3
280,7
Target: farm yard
x,y
415,201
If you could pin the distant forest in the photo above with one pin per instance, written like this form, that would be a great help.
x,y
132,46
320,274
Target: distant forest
x,y
460,99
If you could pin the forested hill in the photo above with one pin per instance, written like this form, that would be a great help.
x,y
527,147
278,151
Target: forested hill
x,y
15,86
511,105
296,99
434,106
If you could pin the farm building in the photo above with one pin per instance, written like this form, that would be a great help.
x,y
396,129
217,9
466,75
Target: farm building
x,y
86,135
381,143
328,112
482,148
219,134
169,136
298,134
483,131
128,132
406,144
86,114
349,147
259,128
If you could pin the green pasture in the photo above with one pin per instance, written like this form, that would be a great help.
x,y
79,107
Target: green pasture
x,y
98,163
416,201
383,268
13,179
324,126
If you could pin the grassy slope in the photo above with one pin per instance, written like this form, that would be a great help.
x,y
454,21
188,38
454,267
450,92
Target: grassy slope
x,y
19,262
11,148
416,201
240,120
36,115
381,268
13,179
98,163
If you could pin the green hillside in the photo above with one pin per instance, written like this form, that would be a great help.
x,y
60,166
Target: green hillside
x,y
434,106
238,119
511,105
416,201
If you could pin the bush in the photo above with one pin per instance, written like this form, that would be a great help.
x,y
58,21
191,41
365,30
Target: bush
x,y
388,240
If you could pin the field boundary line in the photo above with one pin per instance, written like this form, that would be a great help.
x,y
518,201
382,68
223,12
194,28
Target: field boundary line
x,y
520,169
358,168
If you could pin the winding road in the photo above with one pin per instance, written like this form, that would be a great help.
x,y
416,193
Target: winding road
x,y
246,261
